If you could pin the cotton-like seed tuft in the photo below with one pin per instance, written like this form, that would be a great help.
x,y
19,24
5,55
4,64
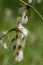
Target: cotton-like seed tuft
x,y
19,56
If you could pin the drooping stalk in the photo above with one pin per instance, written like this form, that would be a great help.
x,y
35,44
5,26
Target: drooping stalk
x,y
26,4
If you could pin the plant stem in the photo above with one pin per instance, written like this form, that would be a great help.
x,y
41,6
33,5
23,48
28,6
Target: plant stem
x,y
7,33
32,8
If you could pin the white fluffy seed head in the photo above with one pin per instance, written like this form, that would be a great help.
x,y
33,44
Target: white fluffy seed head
x,y
21,42
5,45
24,30
23,17
19,57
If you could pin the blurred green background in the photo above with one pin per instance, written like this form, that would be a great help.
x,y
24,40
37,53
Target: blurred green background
x,y
33,52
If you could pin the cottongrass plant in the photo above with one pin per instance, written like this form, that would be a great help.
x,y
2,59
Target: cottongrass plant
x,y
21,34
21,31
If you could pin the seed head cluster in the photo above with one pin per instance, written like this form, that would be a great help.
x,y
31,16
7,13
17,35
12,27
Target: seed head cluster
x,y
23,32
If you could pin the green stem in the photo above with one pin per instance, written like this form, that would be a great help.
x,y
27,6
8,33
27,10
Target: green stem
x,y
32,8
14,29
8,32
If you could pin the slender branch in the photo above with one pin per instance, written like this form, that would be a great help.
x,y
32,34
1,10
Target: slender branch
x,y
14,29
8,32
26,4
